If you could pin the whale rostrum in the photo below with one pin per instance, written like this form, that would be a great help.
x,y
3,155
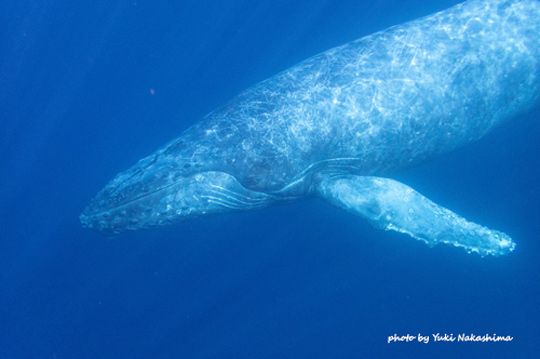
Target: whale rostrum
x,y
338,124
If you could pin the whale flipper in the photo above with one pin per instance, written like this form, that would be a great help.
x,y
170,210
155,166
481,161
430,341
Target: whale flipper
x,y
391,205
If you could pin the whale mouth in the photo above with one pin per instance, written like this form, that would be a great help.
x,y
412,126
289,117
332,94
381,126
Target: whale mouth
x,y
106,214
127,191
120,202
119,208
102,216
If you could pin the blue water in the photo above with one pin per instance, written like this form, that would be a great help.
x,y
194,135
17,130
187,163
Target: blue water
x,y
88,88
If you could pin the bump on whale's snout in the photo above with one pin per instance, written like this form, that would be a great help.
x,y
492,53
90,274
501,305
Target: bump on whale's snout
x,y
119,207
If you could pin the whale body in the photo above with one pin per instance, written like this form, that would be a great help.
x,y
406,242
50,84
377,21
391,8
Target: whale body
x,y
337,124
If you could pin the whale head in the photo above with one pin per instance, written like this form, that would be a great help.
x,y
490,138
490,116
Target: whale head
x,y
155,192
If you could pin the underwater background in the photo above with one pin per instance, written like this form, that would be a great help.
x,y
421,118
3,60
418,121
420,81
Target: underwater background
x,y
88,88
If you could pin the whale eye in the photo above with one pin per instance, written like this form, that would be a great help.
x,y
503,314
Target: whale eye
x,y
250,181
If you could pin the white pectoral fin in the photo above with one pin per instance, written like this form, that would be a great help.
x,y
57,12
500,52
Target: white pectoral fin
x,y
391,205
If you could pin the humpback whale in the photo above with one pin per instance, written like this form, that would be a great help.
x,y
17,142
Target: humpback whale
x,y
339,124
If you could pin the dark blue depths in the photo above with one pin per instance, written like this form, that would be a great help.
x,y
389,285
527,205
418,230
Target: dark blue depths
x,y
87,89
